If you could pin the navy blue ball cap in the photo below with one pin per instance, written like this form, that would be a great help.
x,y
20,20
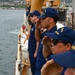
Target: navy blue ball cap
x,y
49,12
74,43
65,34
65,59
35,12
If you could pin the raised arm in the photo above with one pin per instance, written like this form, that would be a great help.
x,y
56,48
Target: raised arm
x,y
38,30
46,46
51,68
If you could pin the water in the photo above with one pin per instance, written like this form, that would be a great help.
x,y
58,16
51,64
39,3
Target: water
x,y
10,23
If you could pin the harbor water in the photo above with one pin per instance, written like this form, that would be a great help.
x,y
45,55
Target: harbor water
x,y
10,23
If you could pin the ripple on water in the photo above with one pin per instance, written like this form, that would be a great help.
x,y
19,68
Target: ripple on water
x,y
10,20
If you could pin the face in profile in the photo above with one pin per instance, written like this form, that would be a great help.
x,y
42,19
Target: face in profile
x,y
70,71
59,46
35,19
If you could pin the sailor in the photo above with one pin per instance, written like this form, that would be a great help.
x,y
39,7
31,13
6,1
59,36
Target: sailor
x,y
58,42
48,21
32,43
58,62
28,10
68,61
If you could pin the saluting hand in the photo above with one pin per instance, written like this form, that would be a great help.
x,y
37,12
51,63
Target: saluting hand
x,y
38,24
46,41
51,68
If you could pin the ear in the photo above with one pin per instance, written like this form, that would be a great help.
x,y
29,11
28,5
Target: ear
x,y
68,46
51,20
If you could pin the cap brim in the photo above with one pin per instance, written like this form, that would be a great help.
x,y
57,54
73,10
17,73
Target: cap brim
x,y
74,43
65,59
52,35
42,16
31,14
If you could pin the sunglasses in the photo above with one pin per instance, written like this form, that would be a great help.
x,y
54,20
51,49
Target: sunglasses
x,y
43,18
56,41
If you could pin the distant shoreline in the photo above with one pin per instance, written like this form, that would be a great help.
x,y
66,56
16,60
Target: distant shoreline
x,y
11,8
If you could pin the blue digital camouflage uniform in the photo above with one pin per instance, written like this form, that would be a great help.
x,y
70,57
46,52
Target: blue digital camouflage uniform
x,y
32,48
40,61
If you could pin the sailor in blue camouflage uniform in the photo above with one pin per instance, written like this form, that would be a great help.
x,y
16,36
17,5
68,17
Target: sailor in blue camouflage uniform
x,y
68,61
61,45
32,42
48,21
